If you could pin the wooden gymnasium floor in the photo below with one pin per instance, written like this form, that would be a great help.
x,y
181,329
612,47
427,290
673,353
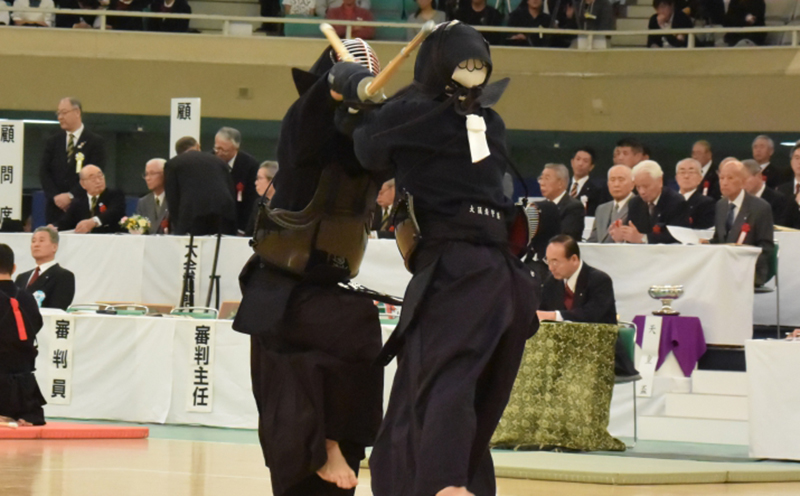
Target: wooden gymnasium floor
x,y
210,462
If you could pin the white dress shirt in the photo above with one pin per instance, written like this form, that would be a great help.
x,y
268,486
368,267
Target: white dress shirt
x,y
559,197
580,182
231,161
77,134
572,281
737,204
42,269
705,168
689,194
761,191
623,202
96,219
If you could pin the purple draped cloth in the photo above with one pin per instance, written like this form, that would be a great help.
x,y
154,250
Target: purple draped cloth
x,y
683,336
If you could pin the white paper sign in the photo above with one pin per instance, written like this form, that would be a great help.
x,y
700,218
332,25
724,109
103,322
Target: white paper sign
x,y
651,340
184,121
12,138
687,236
61,360
200,397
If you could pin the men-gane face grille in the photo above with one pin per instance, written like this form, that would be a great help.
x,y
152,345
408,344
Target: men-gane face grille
x,y
363,54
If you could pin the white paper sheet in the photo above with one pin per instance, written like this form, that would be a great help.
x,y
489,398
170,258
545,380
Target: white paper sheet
x,y
688,236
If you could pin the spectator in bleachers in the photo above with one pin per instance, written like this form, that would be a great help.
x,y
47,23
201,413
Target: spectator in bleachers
x,y
426,11
701,208
629,151
264,186
701,151
553,182
322,6
668,17
791,190
653,210
98,210
589,190
304,8
349,11
590,15
763,148
742,218
120,23
615,212
154,204
244,170
755,185
743,14
562,14
169,25
477,13
528,14
78,21
30,18
56,282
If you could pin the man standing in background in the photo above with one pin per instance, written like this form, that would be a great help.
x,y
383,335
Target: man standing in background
x,y
243,168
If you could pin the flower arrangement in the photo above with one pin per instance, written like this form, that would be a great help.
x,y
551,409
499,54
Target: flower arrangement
x,y
135,224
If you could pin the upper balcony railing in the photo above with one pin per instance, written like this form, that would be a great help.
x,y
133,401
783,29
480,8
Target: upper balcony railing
x,y
225,23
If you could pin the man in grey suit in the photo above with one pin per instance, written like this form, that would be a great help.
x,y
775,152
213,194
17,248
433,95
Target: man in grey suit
x,y
620,185
154,204
742,218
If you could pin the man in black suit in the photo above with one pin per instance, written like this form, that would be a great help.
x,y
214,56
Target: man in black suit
x,y
668,17
56,282
553,183
700,207
382,226
791,190
742,218
653,210
64,154
701,151
755,185
590,191
629,151
243,169
97,209
577,292
199,192
763,148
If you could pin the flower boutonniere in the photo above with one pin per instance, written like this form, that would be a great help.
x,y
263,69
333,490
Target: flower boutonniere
x,y
103,208
743,233
656,229
239,190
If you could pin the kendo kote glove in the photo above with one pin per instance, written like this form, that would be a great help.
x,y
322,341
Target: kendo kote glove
x,y
350,80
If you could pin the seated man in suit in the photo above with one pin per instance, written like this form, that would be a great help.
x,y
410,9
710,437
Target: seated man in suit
x,y
756,186
653,210
553,183
615,212
763,149
56,282
577,292
742,218
688,174
589,190
629,151
701,151
20,398
382,226
199,191
98,210
791,190
153,205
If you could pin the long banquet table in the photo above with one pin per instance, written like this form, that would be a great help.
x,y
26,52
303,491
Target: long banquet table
x,y
149,269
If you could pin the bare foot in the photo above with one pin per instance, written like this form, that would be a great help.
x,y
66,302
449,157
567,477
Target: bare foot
x,y
454,491
336,470
7,422
24,423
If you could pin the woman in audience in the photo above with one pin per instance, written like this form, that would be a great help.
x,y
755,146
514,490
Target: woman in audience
x,y
745,14
125,23
169,25
426,12
31,18
668,17
528,14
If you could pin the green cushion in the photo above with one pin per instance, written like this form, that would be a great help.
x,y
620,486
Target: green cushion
x,y
628,337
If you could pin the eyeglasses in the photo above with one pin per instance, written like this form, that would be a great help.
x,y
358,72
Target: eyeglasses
x,y
65,112
151,174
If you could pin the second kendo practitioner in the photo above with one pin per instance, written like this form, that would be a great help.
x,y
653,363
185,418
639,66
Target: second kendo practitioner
x,y
314,344
471,304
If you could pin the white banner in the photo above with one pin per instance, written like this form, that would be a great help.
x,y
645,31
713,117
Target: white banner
x,y
61,359
12,138
184,121
200,394
651,339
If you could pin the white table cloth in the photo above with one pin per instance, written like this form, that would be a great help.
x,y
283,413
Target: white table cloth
x,y
148,269
773,369
789,276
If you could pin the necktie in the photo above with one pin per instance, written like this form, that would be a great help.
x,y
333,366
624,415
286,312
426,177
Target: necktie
x,y
385,220
34,276
94,203
158,202
574,191
569,297
729,220
71,146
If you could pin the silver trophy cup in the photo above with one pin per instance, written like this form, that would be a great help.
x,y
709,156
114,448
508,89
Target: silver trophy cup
x,y
667,294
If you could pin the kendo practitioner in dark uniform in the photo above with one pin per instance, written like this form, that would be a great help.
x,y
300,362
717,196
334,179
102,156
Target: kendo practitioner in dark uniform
x,y
314,344
20,398
471,304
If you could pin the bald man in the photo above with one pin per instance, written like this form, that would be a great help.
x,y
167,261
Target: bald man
x,y
742,218
154,204
98,209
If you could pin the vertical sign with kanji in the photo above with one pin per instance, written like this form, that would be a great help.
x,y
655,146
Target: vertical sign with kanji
x,y
61,360
12,138
184,121
200,396
651,340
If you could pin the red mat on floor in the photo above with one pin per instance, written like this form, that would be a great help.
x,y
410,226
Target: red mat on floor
x,y
59,430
